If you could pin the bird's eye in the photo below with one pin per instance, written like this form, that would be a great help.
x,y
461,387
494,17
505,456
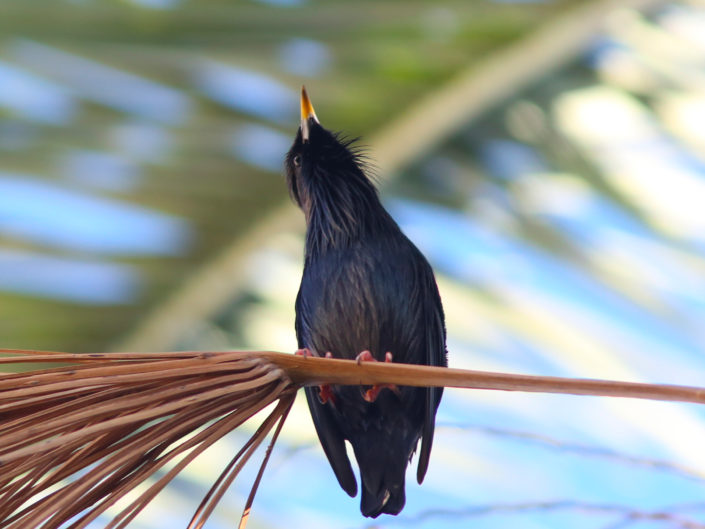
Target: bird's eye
x,y
297,160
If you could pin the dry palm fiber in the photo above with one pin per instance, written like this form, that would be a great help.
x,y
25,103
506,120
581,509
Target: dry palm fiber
x,y
116,419
122,418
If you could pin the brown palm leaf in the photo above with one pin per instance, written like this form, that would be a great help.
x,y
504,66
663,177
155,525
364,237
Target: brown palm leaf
x,y
123,417
118,418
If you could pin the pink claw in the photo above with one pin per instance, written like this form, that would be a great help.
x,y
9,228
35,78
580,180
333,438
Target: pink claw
x,y
371,394
325,393
365,356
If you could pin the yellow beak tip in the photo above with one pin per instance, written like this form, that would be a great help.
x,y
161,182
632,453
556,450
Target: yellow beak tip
x,y
306,106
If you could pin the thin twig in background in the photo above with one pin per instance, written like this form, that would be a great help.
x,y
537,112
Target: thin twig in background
x,y
626,513
679,508
580,449
531,438
124,416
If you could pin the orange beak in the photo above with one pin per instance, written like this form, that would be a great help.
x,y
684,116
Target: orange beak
x,y
307,113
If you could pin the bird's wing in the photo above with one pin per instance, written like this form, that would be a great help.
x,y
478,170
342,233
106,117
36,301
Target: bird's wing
x,y
435,356
332,441
327,428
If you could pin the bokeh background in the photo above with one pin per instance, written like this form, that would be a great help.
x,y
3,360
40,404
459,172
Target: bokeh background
x,y
548,158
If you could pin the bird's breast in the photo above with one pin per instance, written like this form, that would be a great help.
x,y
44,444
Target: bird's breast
x,y
361,298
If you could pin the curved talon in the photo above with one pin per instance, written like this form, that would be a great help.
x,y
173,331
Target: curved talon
x,y
325,392
371,394
365,356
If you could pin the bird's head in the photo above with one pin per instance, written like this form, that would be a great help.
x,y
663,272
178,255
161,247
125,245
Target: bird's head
x,y
322,169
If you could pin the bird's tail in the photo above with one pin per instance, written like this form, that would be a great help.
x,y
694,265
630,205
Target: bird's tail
x,y
385,497
382,472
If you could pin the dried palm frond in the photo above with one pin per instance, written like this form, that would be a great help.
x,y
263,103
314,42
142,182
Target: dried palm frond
x,y
118,418
123,417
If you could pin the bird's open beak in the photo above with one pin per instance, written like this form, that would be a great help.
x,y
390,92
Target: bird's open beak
x,y
307,113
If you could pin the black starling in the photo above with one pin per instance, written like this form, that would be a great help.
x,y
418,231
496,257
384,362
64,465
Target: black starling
x,y
366,292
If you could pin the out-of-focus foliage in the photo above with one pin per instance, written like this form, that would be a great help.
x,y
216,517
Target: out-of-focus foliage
x,y
137,138
565,224
566,227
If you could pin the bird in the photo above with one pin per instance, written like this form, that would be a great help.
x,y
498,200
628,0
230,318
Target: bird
x,y
366,293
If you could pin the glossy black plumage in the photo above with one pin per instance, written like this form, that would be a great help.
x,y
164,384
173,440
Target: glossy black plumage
x,y
365,286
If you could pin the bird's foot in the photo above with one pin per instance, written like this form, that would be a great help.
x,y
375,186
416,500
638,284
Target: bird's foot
x,y
325,392
371,394
366,356
305,352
